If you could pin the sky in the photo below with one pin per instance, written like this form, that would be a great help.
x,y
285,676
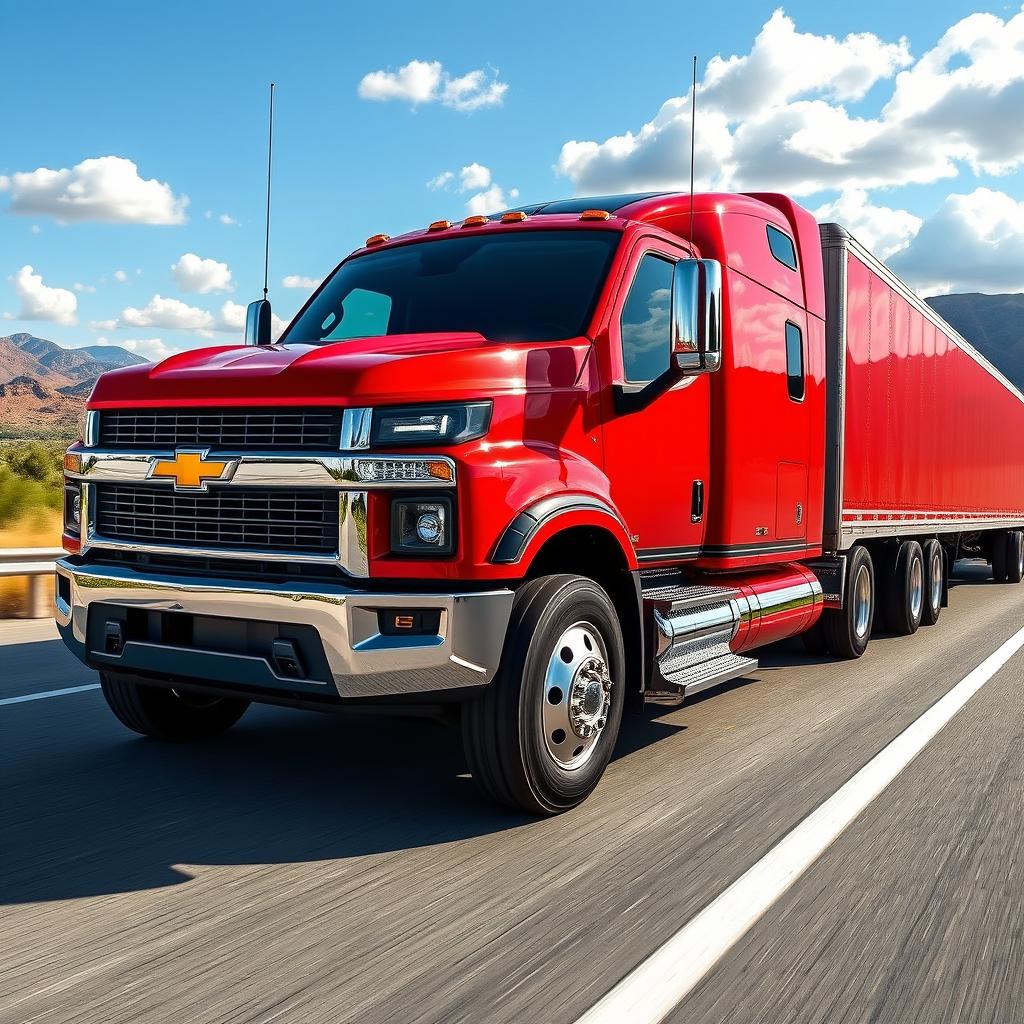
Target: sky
x,y
133,138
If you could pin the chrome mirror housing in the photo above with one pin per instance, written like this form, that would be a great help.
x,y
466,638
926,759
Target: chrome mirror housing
x,y
697,317
257,323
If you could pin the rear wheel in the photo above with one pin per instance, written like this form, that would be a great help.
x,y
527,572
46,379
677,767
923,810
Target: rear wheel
x,y
847,630
903,590
168,714
934,581
541,734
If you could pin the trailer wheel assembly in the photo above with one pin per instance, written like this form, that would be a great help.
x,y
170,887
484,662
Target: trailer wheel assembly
x,y
1008,556
902,589
934,581
847,630
541,734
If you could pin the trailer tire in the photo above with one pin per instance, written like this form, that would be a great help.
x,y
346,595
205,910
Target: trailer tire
x,y
934,581
563,656
902,591
1008,557
165,713
847,630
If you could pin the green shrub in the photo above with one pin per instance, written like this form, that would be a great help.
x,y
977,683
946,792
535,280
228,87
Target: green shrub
x,y
31,479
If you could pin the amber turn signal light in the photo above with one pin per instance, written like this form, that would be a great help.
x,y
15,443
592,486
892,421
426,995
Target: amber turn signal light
x,y
513,217
377,239
475,221
440,225
72,462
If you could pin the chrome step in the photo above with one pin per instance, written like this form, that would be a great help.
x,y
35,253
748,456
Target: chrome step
x,y
691,628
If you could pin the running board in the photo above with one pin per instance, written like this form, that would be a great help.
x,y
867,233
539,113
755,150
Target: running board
x,y
691,627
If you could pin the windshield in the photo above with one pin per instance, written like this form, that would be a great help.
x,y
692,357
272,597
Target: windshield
x,y
514,286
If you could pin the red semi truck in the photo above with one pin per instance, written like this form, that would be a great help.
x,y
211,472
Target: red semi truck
x,y
529,468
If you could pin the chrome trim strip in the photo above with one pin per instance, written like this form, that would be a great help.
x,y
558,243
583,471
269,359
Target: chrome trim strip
x,y
259,469
91,431
364,663
355,429
269,555
851,532
353,542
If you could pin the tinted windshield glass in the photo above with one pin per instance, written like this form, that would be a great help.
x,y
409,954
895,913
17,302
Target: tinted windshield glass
x,y
514,286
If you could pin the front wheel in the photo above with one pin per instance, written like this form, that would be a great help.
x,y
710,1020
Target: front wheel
x,y
540,736
168,714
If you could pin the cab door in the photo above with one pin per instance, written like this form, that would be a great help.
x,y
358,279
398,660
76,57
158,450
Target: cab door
x,y
656,422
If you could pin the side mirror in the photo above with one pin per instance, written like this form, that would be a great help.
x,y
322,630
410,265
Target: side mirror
x,y
257,323
697,317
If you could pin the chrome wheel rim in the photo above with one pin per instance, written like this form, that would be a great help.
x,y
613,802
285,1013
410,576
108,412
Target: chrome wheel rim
x,y
576,697
1020,559
936,578
916,587
862,602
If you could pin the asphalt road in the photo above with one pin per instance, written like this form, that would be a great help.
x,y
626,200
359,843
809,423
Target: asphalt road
x,y
311,868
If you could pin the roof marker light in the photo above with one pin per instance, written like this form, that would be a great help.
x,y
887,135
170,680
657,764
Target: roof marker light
x,y
595,215
513,217
377,239
440,225
475,221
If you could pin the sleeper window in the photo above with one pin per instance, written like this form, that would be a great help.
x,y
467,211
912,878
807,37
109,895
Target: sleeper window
x,y
794,362
645,321
782,247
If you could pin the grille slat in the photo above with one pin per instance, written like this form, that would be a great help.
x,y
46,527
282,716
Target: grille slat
x,y
240,518
306,429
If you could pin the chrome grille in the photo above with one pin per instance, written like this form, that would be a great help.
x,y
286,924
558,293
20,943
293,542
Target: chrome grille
x,y
228,429
230,518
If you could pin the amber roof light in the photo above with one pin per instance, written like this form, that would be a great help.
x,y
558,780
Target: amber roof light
x,y
595,215
377,239
475,221
513,217
440,225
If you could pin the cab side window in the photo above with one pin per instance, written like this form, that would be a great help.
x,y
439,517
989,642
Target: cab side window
x,y
644,325
794,362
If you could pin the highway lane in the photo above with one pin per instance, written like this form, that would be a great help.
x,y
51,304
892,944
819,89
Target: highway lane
x,y
311,868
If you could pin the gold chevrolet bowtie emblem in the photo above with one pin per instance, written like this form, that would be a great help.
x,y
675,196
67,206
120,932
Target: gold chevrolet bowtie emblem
x,y
192,470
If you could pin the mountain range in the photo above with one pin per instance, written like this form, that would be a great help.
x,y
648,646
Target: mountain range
x,y
44,386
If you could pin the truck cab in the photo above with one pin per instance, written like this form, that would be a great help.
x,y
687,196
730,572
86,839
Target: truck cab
x,y
523,469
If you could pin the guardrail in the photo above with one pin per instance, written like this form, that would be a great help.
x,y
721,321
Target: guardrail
x,y
37,565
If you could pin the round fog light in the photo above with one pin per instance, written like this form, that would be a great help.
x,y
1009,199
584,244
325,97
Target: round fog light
x,y
429,528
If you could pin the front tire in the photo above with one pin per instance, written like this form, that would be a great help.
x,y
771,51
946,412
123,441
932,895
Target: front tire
x,y
542,733
168,714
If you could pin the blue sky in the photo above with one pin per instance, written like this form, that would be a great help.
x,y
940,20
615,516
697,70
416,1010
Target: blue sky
x,y
181,94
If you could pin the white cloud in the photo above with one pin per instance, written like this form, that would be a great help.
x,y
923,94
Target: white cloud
x,y
474,177
153,349
102,325
883,230
79,287
441,180
41,302
106,188
421,82
228,220
168,313
195,274
974,243
774,118
491,200
35,229
120,275
298,281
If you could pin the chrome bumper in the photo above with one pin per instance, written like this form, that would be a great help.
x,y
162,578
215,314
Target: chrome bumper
x,y
363,662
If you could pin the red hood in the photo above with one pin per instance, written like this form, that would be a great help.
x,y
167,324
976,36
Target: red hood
x,y
364,371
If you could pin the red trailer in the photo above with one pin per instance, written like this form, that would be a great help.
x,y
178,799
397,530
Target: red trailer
x,y
525,470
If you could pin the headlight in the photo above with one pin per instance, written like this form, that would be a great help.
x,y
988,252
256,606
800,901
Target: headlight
x,y
73,509
430,424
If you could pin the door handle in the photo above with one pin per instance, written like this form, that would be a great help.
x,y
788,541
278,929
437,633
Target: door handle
x,y
697,501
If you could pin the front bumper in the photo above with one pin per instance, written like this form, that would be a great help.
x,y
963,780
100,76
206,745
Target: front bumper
x,y
361,662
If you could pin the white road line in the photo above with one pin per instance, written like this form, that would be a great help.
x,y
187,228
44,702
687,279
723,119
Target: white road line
x,y
49,693
650,992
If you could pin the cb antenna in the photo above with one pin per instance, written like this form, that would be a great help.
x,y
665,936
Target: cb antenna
x,y
693,129
270,164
